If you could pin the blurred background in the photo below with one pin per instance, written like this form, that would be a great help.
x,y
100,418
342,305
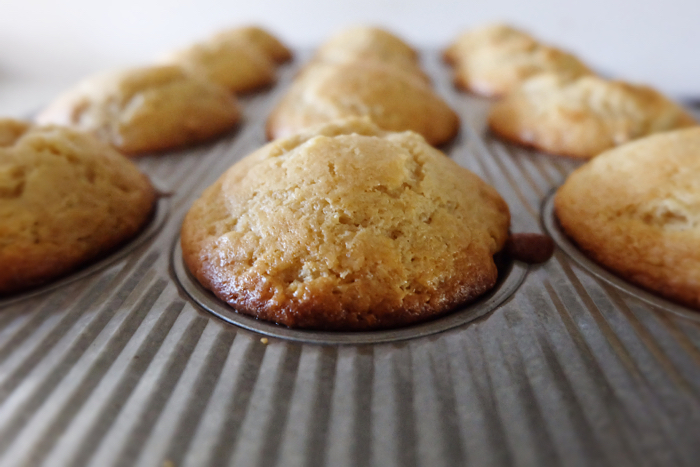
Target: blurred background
x,y
47,45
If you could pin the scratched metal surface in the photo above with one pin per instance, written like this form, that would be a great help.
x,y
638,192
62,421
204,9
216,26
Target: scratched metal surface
x,y
121,368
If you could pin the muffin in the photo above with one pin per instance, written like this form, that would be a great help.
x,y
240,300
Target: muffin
x,y
582,117
394,100
346,227
490,35
273,48
367,43
146,109
493,60
635,210
66,199
239,66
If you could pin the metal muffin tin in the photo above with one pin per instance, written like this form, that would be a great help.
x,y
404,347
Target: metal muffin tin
x,y
120,367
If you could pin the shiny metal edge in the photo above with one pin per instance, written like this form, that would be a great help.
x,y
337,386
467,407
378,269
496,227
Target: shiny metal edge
x,y
553,228
506,287
160,214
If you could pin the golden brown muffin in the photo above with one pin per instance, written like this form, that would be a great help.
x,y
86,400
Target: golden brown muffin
x,y
582,117
366,43
485,36
239,66
273,47
493,60
146,109
65,199
395,100
635,210
346,227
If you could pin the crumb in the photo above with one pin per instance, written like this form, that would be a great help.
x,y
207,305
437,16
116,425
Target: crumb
x,y
168,463
264,340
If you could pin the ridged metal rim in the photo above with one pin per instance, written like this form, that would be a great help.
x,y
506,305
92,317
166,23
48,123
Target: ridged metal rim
x,y
512,278
160,213
553,228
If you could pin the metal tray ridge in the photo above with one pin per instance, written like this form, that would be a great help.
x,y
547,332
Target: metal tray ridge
x,y
119,366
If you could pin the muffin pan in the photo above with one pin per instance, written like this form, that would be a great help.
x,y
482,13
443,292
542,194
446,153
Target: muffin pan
x,y
121,367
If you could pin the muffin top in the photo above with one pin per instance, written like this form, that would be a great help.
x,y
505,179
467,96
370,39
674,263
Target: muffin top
x,y
346,227
263,39
238,65
636,210
146,109
489,35
366,43
65,199
583,117
394,100
493,60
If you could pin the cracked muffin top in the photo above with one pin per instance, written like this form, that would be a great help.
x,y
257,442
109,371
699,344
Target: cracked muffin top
x,y
393,99
584,116
346,227
146,109
65,199
635,209
493,60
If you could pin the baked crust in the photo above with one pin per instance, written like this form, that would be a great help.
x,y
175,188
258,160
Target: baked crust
x,y
582,117
394,100
146,109
484,36
65,200
346,227
367,43
635,209
493,60
261,38
239,66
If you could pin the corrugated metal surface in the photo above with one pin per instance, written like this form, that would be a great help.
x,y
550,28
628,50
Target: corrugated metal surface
x,y
120,368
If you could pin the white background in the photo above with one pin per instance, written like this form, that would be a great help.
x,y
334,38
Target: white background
x,y
47,45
